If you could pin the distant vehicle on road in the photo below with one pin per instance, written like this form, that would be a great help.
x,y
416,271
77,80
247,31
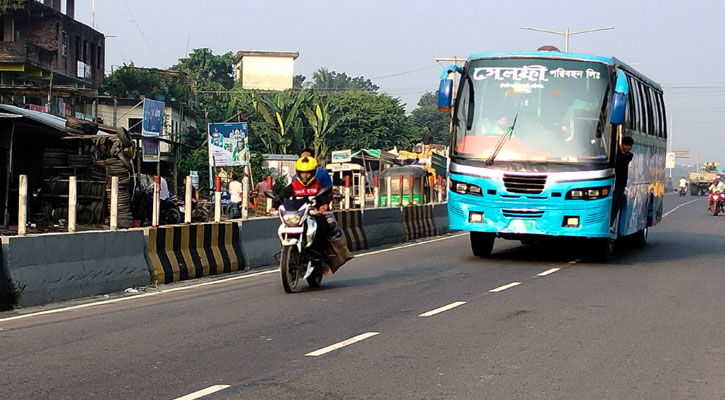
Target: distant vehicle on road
x,y
534,143
701,179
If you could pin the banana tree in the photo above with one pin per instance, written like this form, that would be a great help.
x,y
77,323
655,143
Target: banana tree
x,y
281,114
322,124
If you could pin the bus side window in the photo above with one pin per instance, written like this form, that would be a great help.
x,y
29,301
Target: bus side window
x,y
631,109
664,114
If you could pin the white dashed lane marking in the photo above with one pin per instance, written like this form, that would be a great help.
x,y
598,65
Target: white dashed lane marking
x,y
441,309
203,392
504,287
548,272
342,344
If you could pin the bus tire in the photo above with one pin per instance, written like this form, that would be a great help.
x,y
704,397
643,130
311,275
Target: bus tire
x,y
482,243
604,249
639,239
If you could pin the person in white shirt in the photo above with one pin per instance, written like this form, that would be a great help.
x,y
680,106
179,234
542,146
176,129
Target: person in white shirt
x,y
164,191
717,186
235,192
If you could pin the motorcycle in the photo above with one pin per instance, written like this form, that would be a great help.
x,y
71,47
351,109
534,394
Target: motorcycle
x,y
682,191
303,245
716,203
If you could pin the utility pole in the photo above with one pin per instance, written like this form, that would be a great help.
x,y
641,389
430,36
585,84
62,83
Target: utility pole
x,y
567,33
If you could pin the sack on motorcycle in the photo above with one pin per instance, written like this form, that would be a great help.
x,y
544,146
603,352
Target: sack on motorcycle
x,y
337,253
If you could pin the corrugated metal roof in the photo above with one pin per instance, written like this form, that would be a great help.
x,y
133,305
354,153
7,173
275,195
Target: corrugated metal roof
x,y
37,116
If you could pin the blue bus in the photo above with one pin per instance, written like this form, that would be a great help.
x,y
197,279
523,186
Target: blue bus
x,y
535,137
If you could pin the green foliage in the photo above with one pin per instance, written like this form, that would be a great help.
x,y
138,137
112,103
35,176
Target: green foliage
x,y
282,128
14,4
370,121
327,81
212,79
427,115
322,124
131,81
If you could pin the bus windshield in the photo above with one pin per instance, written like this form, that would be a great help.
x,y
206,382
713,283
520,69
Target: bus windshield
x,y
559,107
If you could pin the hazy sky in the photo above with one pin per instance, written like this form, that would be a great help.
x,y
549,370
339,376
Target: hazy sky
x,y
676,43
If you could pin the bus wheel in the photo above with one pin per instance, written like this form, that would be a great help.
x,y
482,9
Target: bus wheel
x,y
604,249
640,239
482,243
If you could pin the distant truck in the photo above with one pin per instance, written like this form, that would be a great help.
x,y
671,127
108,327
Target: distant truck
x,y
701,180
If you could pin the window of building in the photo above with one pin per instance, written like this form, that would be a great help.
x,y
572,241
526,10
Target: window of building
x,y
79,54
134,125
85,51
64,43
99,61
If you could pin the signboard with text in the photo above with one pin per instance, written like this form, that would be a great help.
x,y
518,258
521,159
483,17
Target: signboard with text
x,y
341,156
153,118
151,150
228,144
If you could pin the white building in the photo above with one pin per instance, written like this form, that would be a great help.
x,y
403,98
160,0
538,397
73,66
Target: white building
x,y
265,70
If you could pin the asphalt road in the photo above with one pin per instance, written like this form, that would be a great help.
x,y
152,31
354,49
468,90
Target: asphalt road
x,y
427,320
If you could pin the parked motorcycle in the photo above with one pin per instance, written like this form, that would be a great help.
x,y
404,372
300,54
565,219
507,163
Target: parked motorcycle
x,y
682,191
303,247
716,203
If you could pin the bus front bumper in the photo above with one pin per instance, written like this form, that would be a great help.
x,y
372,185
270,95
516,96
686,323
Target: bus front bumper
x,y
588,219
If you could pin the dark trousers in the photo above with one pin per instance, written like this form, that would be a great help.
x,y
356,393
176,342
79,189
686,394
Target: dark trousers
x,y
617,200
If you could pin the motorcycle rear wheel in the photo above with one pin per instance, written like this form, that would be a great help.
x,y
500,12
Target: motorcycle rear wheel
x,y
289,268
173,216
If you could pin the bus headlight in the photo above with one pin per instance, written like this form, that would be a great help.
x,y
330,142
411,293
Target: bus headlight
x,y
594,193
465,188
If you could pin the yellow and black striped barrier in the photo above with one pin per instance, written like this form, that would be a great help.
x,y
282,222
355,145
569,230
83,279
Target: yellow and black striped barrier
x,y
183,252
350,222
418,221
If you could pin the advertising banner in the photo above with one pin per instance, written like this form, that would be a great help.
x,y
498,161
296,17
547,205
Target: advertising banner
x,y
341,156
670,161
153,118
151,150
228,144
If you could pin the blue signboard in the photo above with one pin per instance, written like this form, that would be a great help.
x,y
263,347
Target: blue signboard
x,y
153,118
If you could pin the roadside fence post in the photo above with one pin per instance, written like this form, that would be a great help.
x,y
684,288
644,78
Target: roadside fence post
x,y
72,201
23,205
114,203
187,201
217,199
157,198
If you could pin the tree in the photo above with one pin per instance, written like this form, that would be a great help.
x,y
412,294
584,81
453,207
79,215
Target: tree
x,y
283,128
427,115
298,81
325,80
322,123
370,120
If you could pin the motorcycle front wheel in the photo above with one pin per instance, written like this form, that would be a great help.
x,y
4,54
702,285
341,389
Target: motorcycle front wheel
x,y
173,216
289,268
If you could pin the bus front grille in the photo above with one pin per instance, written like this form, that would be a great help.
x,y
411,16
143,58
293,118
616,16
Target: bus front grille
x,y
526,184
522,213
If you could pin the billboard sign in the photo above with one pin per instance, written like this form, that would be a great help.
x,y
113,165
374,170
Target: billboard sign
x,y
153,117
151,150
228,144
341,156
670,162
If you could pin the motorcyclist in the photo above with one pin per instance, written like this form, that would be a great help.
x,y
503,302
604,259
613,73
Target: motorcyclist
x,y
306,184
717,186
683,183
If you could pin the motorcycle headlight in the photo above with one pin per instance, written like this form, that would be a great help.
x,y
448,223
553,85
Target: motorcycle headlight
x,y
292,219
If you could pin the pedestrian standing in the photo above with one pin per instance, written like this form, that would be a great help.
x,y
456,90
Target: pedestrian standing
x,y
235,193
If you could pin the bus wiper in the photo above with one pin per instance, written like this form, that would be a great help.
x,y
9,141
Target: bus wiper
x,y
506,135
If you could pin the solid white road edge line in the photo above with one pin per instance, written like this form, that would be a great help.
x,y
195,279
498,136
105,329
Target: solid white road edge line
x,y
441,309
547,272
189,287
342,344
683,204
204,392
370,253
504,287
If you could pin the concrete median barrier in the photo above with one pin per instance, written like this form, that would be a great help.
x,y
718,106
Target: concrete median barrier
x,y
56,267
440,218
350,222
418,221
260,243
182,252
383,226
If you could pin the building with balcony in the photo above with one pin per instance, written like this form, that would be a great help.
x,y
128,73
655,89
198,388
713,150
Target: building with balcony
x,y
48,60
265,70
